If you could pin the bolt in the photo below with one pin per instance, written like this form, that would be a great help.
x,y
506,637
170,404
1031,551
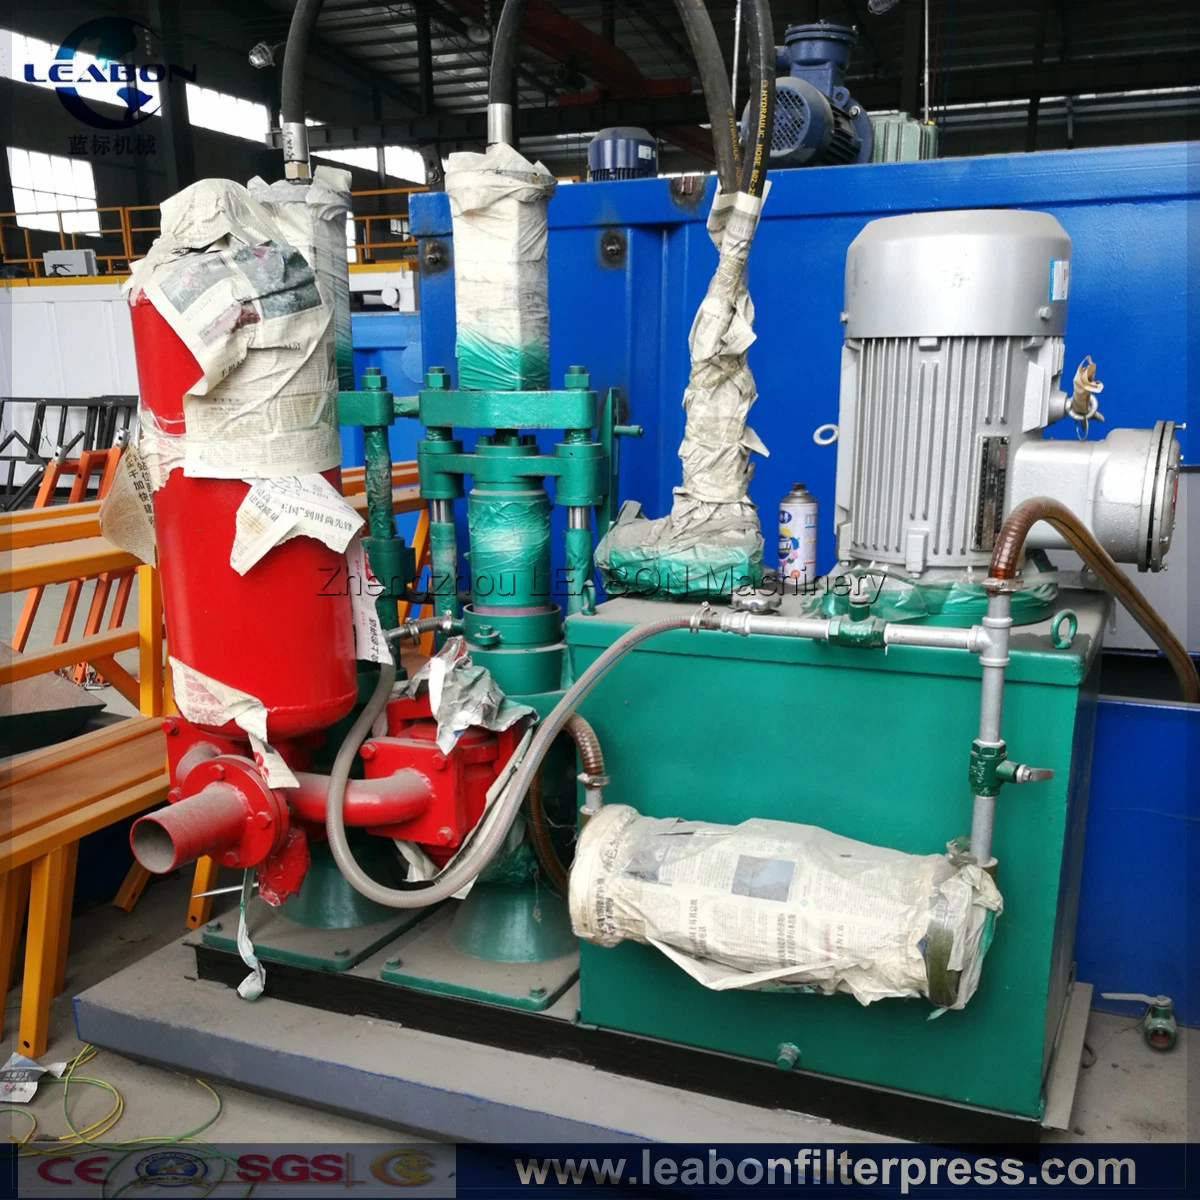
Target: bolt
x,y
855,110
437,379
369,750
440,762
787,1056
170,726
443,835
175,795
433,255
577,379
218,771
262,819
844,317
537,993
392,964
1044,312
342,953
213,927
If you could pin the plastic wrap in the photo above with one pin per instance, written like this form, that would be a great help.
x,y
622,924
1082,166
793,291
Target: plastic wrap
x,y
462,694
312,216
710,541
498,206
770,904
510,550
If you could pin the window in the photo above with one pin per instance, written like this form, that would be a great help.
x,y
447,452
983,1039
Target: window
x,y
17,50
46,184
228,114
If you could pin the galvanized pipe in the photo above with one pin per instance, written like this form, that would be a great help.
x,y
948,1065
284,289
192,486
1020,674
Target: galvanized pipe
x,y
993,658
822,629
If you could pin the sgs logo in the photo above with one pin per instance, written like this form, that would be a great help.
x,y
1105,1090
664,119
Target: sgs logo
x,y
404,1167
294,1168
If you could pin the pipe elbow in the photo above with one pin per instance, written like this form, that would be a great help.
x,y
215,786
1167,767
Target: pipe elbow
x,y
388,800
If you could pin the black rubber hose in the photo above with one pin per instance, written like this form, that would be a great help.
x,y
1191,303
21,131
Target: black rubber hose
x,y
760,52
714,82
503,74
295,60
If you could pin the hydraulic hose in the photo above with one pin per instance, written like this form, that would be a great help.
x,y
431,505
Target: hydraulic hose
x,y
760,48
503,73
591,759
291,88
496,822
1006,557
714,83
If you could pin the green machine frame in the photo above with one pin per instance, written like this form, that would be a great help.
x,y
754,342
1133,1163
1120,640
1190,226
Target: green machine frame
x,y
874,745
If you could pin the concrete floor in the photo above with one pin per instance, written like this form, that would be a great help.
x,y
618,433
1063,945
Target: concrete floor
x,y
1129,1093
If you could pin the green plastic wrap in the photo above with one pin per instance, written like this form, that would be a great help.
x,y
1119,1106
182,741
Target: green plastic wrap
x,y
443,568
487,365
510,549
935,602
639,557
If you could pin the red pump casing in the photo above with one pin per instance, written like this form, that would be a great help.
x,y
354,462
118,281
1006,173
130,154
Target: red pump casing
x,y
283,632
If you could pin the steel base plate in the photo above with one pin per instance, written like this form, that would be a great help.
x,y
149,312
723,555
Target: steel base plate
x,y
278,939
429,962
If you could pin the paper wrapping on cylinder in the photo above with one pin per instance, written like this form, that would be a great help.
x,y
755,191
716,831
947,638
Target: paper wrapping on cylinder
x,y
498,207
711,535
771,903
246,304
312,216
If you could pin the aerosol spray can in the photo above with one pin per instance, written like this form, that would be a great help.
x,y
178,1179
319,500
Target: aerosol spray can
x,y
797,538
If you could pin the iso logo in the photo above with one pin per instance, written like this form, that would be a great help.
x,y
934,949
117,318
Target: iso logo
x,y
107,73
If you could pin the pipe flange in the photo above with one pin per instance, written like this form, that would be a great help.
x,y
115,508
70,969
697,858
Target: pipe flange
x,y
267,817
1158,497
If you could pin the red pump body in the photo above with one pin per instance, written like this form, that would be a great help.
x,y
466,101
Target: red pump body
x,y
282,632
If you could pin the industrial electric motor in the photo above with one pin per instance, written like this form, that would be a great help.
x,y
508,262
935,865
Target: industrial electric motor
x,y
951,372
817,121
622,152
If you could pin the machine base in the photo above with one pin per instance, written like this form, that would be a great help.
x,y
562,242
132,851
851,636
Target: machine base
x,y
482,1072
430,962
280,940
559,1036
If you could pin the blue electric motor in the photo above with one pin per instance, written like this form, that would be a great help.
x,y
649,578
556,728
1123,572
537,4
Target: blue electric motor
x,y
622,152
817,121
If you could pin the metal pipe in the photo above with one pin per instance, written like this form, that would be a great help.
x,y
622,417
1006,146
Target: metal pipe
x,y
824,629
367,802
993,658
210,821
443,558
578,540
925,73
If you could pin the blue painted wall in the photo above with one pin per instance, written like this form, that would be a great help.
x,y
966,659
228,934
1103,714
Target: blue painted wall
x,y
1132,307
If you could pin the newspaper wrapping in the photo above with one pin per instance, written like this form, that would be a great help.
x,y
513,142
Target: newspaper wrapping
x,y
710,542
771,903
250,284
312,216
498,207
